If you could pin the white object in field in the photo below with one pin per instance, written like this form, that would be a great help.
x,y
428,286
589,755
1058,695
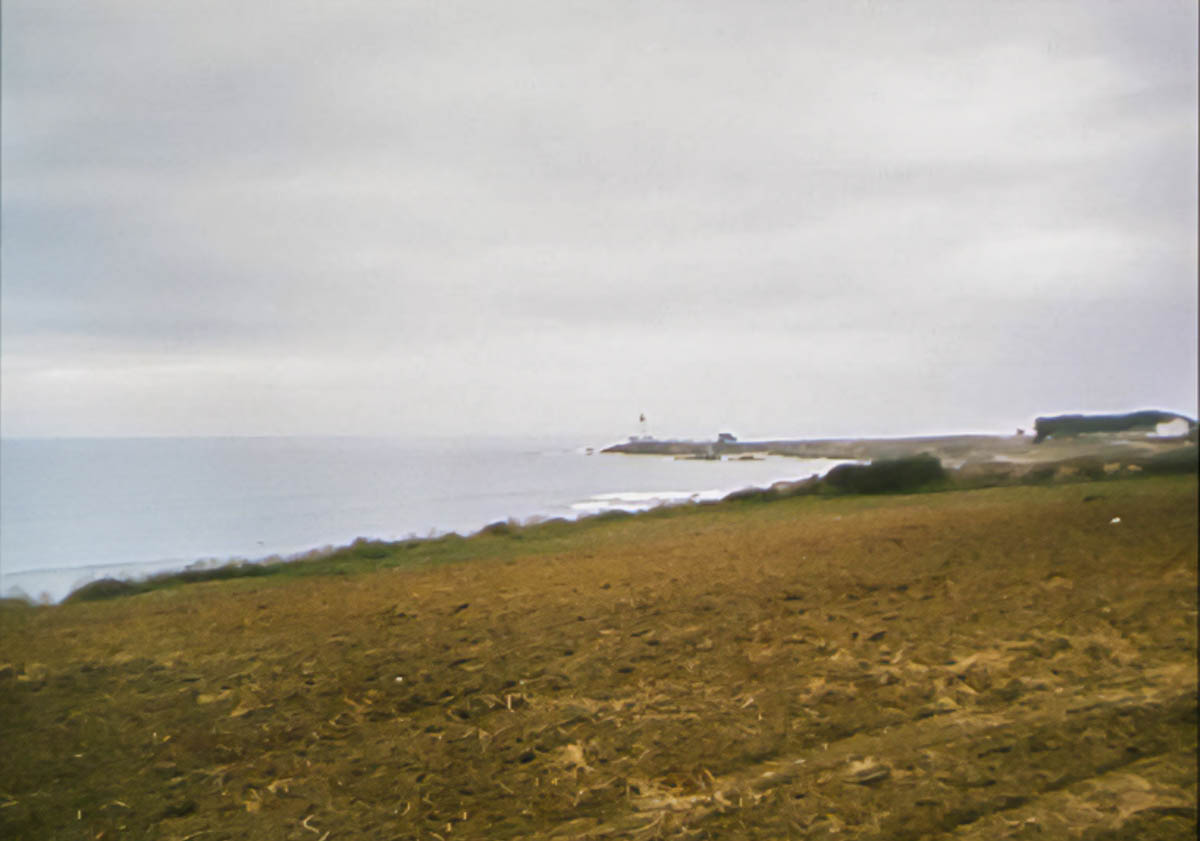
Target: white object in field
x,y
1171,429
1114,520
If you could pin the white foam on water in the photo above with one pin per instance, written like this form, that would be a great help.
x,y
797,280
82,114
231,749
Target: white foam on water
x,y
643,500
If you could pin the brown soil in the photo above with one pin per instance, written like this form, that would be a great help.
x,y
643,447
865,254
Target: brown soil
x,y
1003,663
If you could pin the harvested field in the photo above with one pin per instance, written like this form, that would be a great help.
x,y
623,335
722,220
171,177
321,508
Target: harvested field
x,y
1016,662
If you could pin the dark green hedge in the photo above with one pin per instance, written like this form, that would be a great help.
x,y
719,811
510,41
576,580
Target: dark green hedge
x,y
886,475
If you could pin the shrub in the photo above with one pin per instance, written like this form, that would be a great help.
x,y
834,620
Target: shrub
x,y
779,490
1040,474
103,588
1183,460
886,475
372,550
750,495
611,514
232,569
500,528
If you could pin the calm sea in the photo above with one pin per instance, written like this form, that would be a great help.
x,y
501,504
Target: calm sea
x,y
73,510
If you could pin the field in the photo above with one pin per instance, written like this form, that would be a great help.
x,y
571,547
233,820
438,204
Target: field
x,y
1012,662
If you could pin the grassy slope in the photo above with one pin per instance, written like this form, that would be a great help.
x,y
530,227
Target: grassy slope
x,y
980,663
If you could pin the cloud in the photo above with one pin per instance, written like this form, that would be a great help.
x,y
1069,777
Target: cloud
x,y
474,205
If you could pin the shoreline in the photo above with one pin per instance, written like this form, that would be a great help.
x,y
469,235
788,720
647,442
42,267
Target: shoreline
x,y
1086,466
57,583
970,461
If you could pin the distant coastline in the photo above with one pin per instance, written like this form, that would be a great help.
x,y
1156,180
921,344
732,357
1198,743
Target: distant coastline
x,y
839,448
1135,434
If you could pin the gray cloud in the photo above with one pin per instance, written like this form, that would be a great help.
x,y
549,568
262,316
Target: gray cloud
x,y
546,216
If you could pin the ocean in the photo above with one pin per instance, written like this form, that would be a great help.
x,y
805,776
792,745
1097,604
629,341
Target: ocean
x,y
74,510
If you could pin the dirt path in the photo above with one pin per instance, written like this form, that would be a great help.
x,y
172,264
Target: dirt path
x,y
994,664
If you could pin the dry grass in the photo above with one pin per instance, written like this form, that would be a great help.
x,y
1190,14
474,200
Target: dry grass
x,y
981,664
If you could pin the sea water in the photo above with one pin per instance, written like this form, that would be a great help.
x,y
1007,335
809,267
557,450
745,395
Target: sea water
x,y
74,510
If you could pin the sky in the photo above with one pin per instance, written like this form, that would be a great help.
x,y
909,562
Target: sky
x,y
822,218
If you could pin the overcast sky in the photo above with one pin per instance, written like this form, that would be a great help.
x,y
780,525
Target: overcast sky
x,y
776,218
